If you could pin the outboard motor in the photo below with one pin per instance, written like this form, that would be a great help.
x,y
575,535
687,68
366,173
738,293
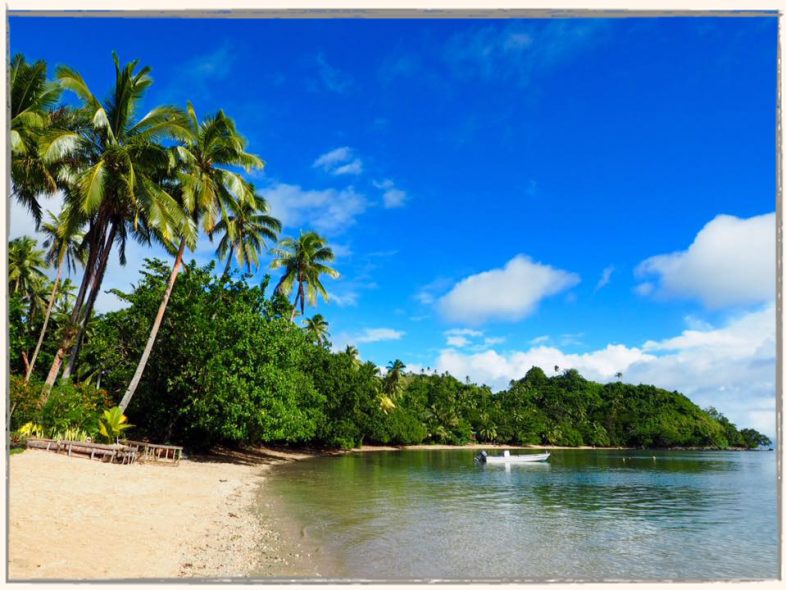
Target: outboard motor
x,y
481,457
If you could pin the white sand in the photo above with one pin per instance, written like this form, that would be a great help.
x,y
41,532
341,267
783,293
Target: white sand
x,y
72,518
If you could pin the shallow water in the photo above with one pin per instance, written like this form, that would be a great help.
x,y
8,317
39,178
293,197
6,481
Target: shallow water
x,y
585,515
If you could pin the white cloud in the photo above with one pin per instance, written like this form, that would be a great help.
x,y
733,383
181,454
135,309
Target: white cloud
x,y
201,75
731,261
569,339
341,250
328,210
510,293
457,341
464,337
392,197
605,277
731,367
498,369
518,50
349,299
339,161
644,289
329,159
354,167
398,65
378,335
366,336
463,332
427,294
331,78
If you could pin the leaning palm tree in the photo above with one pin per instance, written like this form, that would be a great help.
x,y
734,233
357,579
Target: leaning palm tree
x,y
207,189
32,98
303,261
64,243
317,329
117,167
245,233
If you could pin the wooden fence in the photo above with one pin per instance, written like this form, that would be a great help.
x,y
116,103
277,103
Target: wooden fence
x,y
152,452
116,453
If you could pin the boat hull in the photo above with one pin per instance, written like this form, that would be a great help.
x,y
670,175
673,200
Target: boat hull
x,y
518,458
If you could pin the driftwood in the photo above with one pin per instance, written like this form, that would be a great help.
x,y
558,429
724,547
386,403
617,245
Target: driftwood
x,y
116,453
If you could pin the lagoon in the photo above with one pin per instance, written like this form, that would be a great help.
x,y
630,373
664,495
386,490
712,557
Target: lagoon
x,y
585,515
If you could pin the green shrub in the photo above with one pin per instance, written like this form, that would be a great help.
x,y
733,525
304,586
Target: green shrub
x,y
25,401
112,424
73,406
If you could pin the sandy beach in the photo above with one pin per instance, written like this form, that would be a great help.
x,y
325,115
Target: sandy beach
x,y
72,518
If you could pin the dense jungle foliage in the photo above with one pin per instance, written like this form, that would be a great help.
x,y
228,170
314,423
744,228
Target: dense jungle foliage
x,y
230,367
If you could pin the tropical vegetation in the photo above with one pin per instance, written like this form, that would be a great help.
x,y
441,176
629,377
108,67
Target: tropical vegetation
x,y
202,357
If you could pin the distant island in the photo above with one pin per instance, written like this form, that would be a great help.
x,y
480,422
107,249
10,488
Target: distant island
x,y
231,367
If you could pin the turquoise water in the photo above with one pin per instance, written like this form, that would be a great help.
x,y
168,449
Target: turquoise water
x,y
585,515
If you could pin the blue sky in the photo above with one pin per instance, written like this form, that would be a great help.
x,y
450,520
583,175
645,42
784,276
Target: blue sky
x,y
597,194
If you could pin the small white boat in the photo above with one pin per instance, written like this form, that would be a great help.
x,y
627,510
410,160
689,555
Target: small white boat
x,y
506,457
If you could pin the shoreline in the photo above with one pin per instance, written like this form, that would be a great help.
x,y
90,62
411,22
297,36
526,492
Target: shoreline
x,y
477,446
210,517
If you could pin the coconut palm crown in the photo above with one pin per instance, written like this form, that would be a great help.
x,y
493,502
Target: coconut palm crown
x,y
245,233
25,266
32,99
304,261
317,328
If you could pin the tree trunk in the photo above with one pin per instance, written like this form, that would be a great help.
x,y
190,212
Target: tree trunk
x,y
68,337
229,264
96,244
96,288
294,307
46,322
154,331
53,371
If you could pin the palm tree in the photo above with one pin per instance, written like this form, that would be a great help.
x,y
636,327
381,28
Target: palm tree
x,y
26,278
25,266
317,328
353,354
36,298
117,170
66,294
303,260
618,375
392,383
245,233
64,243
32,98
206,188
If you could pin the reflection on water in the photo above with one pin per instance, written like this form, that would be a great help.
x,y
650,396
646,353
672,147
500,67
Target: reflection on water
x,y
585,515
